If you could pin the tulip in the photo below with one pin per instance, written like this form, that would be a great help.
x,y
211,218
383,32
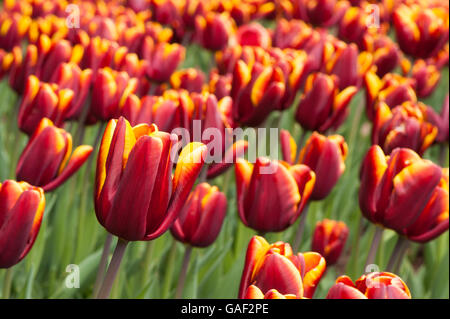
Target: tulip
x,y
70,76
293,34
219,85
376,285
322,106
162,59
427,77
399,190
403,126
253,34
96,53
256,91
213,30
47,160
349,66
131,162
13,30
440,121
21,210
421,32
386,53
190,79
110,88
202,216
325,156
271,195
43,100
392,89
273,270
322,13
329,239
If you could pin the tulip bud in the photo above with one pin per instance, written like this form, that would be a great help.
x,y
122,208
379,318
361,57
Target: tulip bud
x,y
285,189
163,59
400,191
322,106
322,13
202,216
403,126
376,285
21,210
386,54
329,239
47,160
136,197
272,271
43,100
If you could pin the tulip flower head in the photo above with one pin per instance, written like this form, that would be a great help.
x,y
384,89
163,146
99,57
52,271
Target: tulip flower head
x,y
201,218
21,210
47,161
329,239
322,106
273,271
405,193
376,285
136,196
271,194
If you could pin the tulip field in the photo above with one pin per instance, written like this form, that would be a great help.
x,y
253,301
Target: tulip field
x,y
205,149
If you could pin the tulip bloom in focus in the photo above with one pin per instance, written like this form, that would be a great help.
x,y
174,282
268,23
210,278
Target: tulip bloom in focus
x,y
322,106
329,239
325,155
47,160
201,218
136,197
271,195
21,210
404,192
273,271
376,285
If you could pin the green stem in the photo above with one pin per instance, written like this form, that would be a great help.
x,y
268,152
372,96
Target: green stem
x,y
183,272
374,247
356,244
397,254
169,270
147,260
300,229
103,263
113,269
7,283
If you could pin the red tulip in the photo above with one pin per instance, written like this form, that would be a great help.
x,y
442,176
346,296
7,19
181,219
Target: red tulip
x,y
95,54
21,210
386,53
376,285
323,13
272,270
322,106
213,30
427,77
392,89
421,32
253,34
271,195
136,197
43,100
190,79
399,190
202,216
47,160
13,29
403,126
329,239
162,58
